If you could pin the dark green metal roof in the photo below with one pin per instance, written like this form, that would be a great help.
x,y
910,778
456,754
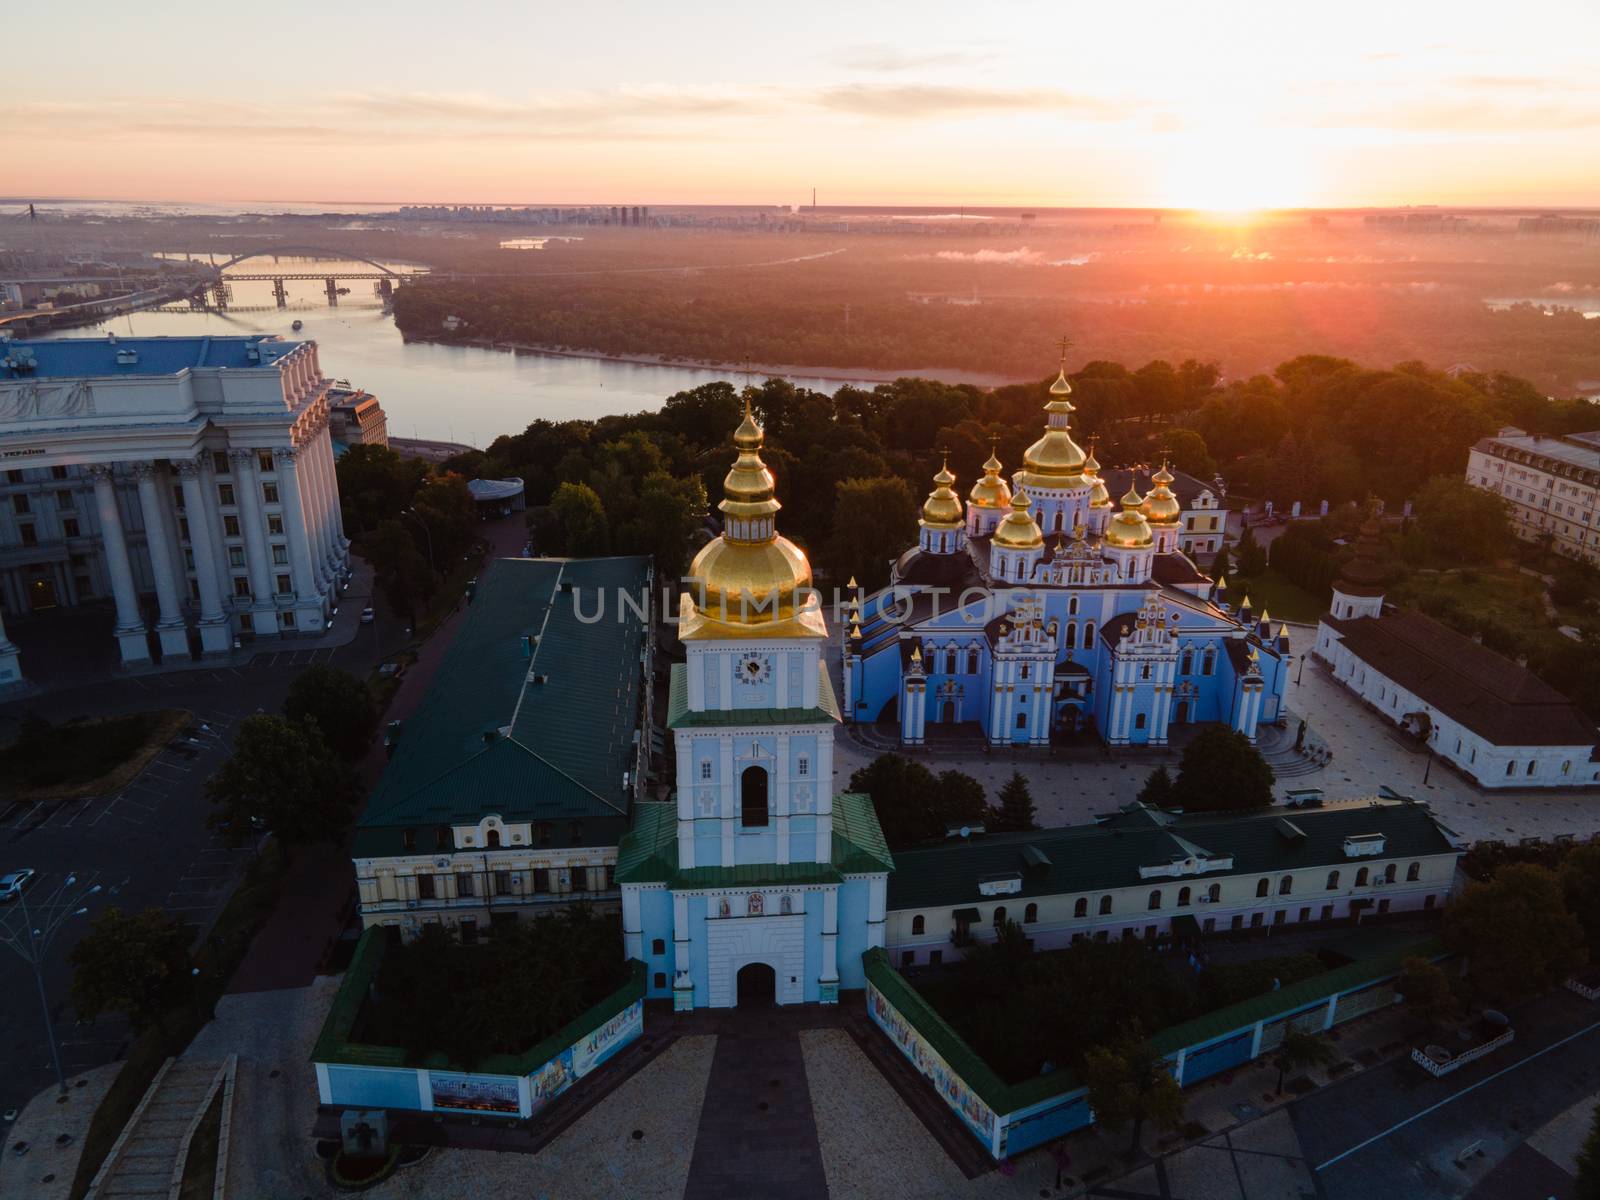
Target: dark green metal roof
x,y
533,713
1087,858
649,851
679,716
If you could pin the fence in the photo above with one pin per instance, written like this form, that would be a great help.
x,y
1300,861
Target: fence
x,y
1439,1069
361,1075
1011,1118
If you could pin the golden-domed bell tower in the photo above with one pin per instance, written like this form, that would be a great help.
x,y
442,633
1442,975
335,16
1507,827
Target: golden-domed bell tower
x,y
1052,468
1162,511
989,501
943,530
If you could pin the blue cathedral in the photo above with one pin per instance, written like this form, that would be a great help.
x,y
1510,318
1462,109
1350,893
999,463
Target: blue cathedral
x,y
1044,609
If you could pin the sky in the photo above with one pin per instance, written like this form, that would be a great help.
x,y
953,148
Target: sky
x,y
1225,105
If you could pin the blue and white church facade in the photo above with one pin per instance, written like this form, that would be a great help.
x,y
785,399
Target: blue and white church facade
x,y
756,881
1039,608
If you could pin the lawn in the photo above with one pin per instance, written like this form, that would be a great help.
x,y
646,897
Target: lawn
x,y
1282,600
86,757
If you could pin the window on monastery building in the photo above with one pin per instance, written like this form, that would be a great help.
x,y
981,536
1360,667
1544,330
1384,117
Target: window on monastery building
x,y
493,838
264,461
1081,907
1088,634
1155,900
908,958
442,838
753,798
225,493
408,839
1361,877
1511,767
1208,662
1072,635
1188,662
972,662
950,662
705,769
1388,873
1533,765
1022,720
802,766
1024,670
1413,872
574,833
1144,671
918,926
658,946
1286,885
1072,606
1214,893
611,876
1183,897
1105,906
1333,880
464,884
502,883
541,879
543,832
1237,922
660,979
424,887
230,526
1138,721
1262,886
999,915
1030,914
1256,920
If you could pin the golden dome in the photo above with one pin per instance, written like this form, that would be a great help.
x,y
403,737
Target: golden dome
x,y
1019,531
1161,507
990,491
942,509
1128,529
1099,497
1054,457
748,577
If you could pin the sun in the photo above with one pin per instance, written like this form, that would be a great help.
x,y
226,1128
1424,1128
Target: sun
x,y
1233,173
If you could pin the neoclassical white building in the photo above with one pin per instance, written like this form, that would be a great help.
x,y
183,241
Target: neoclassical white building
x,y
190,481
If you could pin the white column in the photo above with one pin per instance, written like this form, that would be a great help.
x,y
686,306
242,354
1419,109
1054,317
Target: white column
x,y
829,979
214,630
294,520
632,927
129,630
10,663
682,982
169,628
780,793
311,503
877,902
247,490
330,491
320,454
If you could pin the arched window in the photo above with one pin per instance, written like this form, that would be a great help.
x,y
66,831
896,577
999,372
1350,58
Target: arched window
x,y
1088,635
1413,872
1072,606
1333,880
950,661
1208,661
1388,873
1286,885
1138,721
1072,635
1030,914
1155,900
1081,907
918,926
494,839
999,915
1361,877
1188,662
1215,892
1183,897
753,797
1105,906
972,662
1262,885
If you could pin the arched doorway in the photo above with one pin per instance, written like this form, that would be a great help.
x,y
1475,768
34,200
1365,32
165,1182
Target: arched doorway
x,y
756,986
1181,716
948,715
753,797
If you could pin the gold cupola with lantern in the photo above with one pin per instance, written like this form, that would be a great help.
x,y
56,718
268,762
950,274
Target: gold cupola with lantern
x,y
1160,506
748,581
1055,460
1129,530
1019,531
990,491
1099,497
942,508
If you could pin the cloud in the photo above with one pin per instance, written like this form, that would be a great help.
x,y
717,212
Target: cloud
x,y
932,100
883,58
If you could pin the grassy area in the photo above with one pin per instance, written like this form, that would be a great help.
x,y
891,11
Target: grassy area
x,y
1504,595
200,1168
88,757
1283,601
221,952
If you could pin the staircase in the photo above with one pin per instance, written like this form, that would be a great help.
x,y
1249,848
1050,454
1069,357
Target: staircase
x,y
148,1155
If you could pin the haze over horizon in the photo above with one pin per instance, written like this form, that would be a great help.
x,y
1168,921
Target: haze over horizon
x,y
1239,106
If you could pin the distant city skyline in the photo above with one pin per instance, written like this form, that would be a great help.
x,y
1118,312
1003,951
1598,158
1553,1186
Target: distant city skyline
x,y
1235,106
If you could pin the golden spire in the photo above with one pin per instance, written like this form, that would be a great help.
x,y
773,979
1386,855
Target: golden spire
x,y
1055,460
1019,531
1283,630
942,509
1265,618
1245,603
1222,583
1061,387
990,491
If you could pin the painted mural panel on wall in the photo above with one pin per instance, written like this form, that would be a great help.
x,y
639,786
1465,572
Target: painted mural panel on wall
x,y
576,1061
950,1086
474,1093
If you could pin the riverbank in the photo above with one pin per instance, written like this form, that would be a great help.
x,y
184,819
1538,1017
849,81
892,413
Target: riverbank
x,y
950,375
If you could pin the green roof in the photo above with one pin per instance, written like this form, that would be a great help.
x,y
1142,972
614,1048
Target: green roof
x,y
534,712
649,851
334,1045
1108,854
680,717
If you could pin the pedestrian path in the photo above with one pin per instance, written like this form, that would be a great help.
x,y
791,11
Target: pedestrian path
x,y
150,1150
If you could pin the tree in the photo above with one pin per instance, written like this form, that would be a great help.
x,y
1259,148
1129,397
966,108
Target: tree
x,y
1222,563
445,507
375,482
1300,1049
1015,813
670,510
138,965
399,569
1127,1083
1461,523
581,518
1427,991
1252,558
1157,789
1580,887
282,774
1589,1162
873,521
338,704
1516,933
1219,771
915,806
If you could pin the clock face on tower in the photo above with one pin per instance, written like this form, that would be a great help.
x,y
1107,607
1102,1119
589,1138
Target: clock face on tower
x,y
754,668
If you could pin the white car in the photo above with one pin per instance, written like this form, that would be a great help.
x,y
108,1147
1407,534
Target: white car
x,y
11,885
366,616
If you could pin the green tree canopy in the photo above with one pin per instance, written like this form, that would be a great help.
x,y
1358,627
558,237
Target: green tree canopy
x,y
283,773
399,569
1427,991
337,703
1015,813
874,520
1129,1084
915,806
1461,523
1299,1049
135,964
1219,771
1516,933
581,518
1580,887
1157,789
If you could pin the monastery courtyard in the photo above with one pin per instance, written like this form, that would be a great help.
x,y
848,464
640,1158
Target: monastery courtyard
x,y
1368,753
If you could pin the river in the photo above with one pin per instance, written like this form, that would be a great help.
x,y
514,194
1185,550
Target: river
x,y
446,393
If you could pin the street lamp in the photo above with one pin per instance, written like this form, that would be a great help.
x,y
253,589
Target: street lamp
x,y
32,943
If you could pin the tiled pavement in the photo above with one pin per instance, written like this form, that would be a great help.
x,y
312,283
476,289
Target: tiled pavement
x,y
757,1135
